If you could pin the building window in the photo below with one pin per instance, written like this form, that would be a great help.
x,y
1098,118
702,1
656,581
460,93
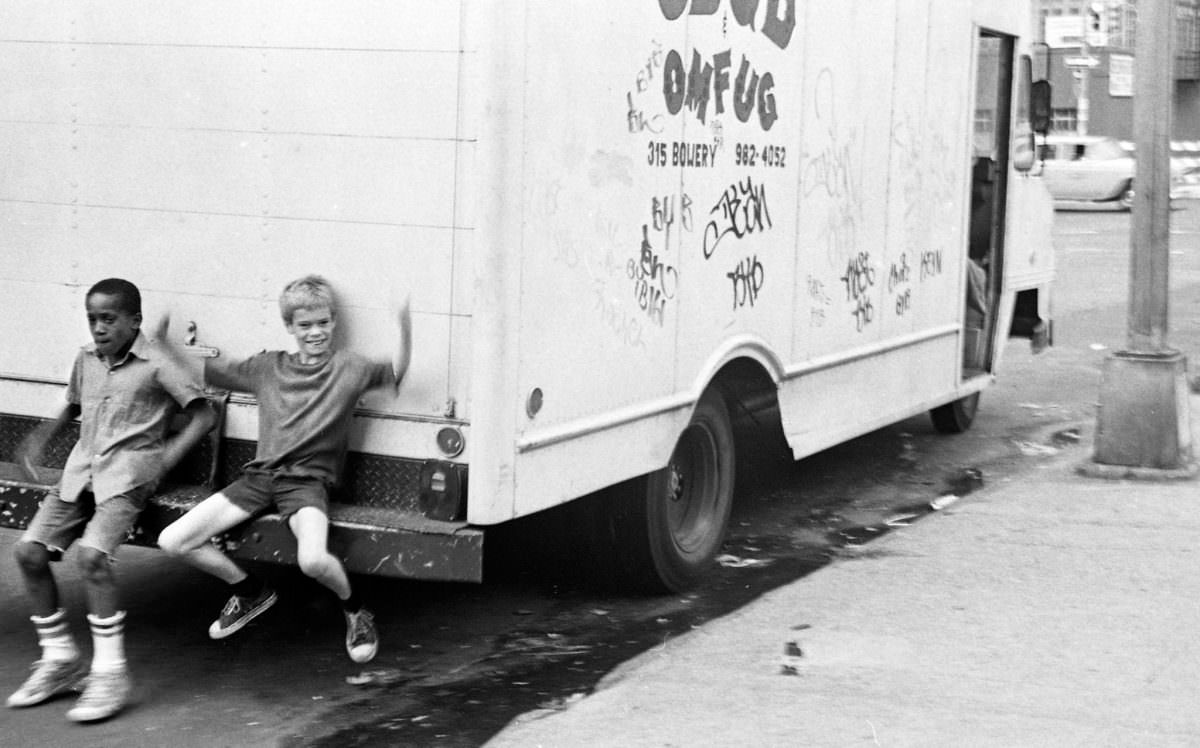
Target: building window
x,y
1187,36
1064,119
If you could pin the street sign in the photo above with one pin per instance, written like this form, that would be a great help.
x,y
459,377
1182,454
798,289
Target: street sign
x,y
1081,61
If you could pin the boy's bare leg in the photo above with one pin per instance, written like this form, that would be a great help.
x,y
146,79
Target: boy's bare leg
x,y
60,668
100,583
311,528
108,685
188,536
33,559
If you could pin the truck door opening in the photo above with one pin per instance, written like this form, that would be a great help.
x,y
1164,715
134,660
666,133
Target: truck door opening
x,y
989,170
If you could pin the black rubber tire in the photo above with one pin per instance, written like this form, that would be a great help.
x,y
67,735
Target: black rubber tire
x,y
1126,197
955,417
660,532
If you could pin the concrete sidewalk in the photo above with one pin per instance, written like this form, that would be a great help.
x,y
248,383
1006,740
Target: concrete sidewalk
x,y
1050,609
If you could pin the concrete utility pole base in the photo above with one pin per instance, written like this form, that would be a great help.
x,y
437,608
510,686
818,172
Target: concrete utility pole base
x,y
1144,429
1144,425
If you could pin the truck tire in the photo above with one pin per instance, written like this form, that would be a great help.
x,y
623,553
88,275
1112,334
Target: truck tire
x,y
661,531
955,417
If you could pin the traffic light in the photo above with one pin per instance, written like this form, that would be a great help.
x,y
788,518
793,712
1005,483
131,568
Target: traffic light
x,y
1096,28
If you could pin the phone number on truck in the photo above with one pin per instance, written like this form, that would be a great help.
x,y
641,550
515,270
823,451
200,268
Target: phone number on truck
x,y
746,154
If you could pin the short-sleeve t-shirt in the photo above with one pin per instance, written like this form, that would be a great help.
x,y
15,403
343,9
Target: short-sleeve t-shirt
x,y
125,410
304,410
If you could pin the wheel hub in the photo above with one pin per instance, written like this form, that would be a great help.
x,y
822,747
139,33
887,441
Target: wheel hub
x,y
674,483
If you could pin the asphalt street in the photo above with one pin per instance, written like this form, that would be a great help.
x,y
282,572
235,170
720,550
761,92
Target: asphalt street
x,y
459,662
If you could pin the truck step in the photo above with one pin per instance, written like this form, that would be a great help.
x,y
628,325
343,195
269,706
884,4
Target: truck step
x,y
368,540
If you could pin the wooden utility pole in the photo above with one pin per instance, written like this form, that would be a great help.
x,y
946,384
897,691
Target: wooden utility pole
x,y
1144,423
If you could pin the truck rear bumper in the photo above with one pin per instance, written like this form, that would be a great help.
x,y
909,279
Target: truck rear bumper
x,y
368,540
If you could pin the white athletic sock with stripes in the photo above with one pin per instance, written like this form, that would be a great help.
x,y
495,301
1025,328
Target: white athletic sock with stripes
x,y
54,634
108,642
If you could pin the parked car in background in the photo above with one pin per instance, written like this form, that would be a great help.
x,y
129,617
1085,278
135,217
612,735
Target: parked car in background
x,y
1095,169
1187,185
1087,168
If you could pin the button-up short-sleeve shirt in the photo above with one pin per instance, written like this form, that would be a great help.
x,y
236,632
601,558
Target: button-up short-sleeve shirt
x,y
125,409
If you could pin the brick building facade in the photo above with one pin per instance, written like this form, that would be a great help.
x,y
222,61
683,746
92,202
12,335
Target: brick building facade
x,y
1104,34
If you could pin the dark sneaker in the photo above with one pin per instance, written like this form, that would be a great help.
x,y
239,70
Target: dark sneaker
x,y
106,693
48,679
362,640
239,611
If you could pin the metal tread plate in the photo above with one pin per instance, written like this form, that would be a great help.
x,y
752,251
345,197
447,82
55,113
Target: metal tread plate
x,y
368,539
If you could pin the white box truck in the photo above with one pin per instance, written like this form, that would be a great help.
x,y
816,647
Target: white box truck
x,y
618,223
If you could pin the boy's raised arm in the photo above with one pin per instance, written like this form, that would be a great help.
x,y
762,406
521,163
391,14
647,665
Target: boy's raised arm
x,y
404,350
172,350
201,415
220,372
201,420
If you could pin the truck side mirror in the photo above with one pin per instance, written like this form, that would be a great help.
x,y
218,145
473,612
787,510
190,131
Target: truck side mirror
x,y
1039,106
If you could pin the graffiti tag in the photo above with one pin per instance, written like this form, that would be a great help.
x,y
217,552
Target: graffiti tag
x,y
741,210
819,301
663,215
931,264
897,284
637,120
747,280
859,279
626,328
654,282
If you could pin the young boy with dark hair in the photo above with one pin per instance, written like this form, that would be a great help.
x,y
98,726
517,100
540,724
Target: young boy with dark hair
x,y
306,402
125,392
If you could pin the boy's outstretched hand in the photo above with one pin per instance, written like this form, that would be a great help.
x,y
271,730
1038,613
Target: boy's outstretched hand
x,y
159,327
29,452
404,349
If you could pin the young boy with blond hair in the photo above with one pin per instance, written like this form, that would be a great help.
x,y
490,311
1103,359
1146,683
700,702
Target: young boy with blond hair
x,y
125,390
306,402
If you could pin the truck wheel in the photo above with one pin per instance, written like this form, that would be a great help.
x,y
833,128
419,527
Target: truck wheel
x,y
661,531
955,417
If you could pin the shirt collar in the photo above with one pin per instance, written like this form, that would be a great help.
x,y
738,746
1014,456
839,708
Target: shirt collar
x,y
138,349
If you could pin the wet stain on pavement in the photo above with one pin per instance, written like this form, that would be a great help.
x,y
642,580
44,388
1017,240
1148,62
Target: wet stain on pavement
x,y
537,668
558,656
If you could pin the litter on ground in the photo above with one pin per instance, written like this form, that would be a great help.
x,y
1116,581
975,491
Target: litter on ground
x,y
737,562
942,502
1036,450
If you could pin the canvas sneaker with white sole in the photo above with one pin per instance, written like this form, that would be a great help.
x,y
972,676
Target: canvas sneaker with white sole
x,y
239,611
48,679
106,693
362,638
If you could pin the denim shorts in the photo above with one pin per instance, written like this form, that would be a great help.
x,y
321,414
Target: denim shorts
x,y
104,526
257,490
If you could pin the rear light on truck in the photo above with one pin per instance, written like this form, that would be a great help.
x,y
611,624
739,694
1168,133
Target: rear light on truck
x,y
450,441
